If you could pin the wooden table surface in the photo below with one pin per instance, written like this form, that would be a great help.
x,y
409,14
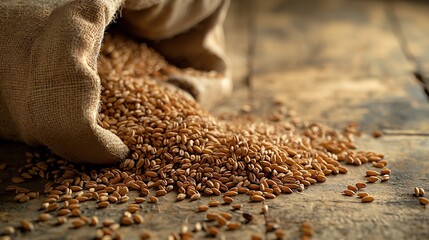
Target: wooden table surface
x,y
331,61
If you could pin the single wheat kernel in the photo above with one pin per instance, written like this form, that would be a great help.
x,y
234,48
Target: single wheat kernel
x,y
233,225
236,206
256,237
61,220
416,191
203,208
153,199
3,166
115,226
107,222
33,195
226,215
63,212
126,221
213,203
348,192
213,230
269,195
52,207
186,235
307,229
362,194
372,179
378,164
271,226
27,225
137,218
99,234
280,233
384,178
231,193
195,196
377,133
342,169
43,217
180,196
11,188
370,173
145,236
197,227
161,192
265,209
127,214
75,212
17,180
423,201
78,223
94,221
321,178
385,171
352,188
228,200
103,204
8,230
257,198
211,216
24,199
221,221
360,185
367,199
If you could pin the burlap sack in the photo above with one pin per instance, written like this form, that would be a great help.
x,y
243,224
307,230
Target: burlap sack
x,y
49,86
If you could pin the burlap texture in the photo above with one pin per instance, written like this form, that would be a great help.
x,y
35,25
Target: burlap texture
x,y
49,86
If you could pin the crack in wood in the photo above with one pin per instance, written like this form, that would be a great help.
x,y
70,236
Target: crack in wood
x,y
405,47
251,26
406,132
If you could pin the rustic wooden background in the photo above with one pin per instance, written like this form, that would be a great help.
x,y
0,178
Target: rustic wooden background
x,y
332,61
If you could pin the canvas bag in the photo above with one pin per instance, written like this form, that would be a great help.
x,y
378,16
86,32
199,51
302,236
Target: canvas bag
x,y
49,86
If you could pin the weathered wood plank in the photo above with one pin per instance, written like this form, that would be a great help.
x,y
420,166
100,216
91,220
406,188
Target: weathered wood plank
x,y
237,34
411,22
336,61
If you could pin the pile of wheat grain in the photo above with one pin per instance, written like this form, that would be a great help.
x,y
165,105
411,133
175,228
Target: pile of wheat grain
x,y
176,146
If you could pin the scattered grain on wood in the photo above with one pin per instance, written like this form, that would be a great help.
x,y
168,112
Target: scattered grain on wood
x,y
175,144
